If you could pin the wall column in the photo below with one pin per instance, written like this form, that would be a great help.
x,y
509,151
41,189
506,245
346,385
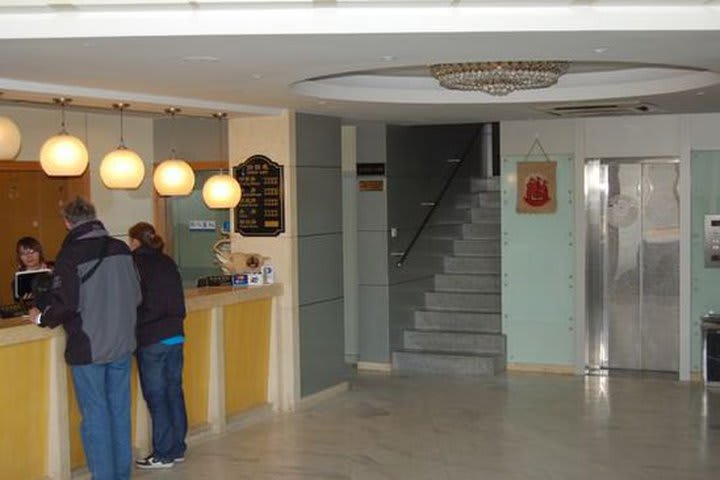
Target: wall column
x,y
274,137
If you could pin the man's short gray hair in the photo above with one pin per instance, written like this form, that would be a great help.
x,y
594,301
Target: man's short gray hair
x,y
79,211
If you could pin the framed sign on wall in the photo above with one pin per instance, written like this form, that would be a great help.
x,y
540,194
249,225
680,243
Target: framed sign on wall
x,y
537,187
261,211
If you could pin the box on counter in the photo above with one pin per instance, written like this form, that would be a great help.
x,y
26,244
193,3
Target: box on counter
x,y
268,274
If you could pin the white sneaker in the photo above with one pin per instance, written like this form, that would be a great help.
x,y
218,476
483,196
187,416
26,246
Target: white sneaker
x,y
152,462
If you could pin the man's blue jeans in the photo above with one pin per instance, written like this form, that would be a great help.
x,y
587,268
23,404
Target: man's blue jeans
x,y
103,395
160,369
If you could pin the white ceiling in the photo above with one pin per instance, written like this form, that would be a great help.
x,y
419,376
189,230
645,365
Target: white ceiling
x,y
245,57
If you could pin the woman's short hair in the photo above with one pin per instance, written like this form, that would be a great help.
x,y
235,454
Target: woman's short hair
x,y
79,211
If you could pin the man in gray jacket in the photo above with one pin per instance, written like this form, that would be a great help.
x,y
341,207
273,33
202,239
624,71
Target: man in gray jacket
x,y
94,296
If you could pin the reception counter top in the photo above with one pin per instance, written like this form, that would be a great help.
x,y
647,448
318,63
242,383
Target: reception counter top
x,y
207,297
19,329
226,375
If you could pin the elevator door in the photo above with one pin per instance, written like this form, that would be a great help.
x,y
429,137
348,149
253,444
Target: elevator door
x,y
633,263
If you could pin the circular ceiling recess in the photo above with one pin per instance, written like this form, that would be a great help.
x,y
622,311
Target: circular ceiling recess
x,y
582,81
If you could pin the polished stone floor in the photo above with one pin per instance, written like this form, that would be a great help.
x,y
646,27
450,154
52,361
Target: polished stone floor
x,y
518,426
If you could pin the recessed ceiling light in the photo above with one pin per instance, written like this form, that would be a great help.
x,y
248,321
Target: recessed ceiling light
x,y
389,58
257,76
700,93
600,50
200,58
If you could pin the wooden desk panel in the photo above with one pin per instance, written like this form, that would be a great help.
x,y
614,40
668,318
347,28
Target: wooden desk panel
x,y
196,371
24,370
246,340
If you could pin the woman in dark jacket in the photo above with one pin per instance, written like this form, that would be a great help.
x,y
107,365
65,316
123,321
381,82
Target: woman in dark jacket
x,y
160,346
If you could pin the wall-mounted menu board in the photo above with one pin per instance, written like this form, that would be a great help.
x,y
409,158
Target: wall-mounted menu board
x,y
261,211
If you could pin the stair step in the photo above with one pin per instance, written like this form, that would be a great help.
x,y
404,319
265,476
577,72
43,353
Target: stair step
x,y
485,199
485,184
467,302
482,247
489,322
454,342
444,231
477,200
452,215
485,214
481,230
448,364
471,264
488,282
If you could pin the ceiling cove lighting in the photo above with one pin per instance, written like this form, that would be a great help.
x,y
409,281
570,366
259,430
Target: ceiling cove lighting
x,y
122,168
173,177
499,78
221,190
10,139
63,155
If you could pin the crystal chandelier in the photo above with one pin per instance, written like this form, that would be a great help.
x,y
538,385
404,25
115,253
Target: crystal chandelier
x,y
499,78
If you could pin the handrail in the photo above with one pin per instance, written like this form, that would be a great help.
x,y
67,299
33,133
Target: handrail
x,y
439,197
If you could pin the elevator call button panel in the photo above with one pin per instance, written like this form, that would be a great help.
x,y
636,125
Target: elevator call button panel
x,y
712,241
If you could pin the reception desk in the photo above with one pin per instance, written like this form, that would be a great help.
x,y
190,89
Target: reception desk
x,y
227,367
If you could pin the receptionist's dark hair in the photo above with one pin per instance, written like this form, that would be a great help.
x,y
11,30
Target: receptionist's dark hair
x,y
28,243
145,233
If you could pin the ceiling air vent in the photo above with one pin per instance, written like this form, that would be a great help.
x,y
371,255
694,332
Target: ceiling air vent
x,y
599,109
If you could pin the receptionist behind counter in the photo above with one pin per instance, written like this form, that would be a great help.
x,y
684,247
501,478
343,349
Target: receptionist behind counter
x,y
30,257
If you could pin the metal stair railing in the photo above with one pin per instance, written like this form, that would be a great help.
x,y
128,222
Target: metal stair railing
x,y
433,205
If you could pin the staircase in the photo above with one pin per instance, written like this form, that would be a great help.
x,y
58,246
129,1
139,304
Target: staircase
x,y
458,330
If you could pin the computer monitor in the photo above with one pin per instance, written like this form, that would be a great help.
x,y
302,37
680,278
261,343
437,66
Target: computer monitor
x,y
24,281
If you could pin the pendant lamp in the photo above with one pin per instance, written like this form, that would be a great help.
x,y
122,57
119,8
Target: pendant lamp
x,y
173,176
10,139
221,190
122,168
63,155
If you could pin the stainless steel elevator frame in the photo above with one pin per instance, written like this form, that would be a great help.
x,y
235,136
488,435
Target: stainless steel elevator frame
x,y
632,263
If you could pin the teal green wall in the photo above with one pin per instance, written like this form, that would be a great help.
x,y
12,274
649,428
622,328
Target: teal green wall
x,y
194,140
538,268
705,282
193,249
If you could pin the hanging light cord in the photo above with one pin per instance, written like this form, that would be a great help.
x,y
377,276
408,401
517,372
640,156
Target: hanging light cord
x,y
62,101
62,116
220,116
171,112
172,131
122,131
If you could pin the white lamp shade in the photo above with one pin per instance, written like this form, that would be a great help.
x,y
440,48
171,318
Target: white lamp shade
x,y
9,139
221,191
174,177
122,168
63,156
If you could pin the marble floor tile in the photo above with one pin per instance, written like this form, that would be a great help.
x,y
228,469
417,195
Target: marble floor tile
x,y
523,427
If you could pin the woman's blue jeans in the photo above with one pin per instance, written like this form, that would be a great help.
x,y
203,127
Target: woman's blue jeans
x,y
160,369
103,395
